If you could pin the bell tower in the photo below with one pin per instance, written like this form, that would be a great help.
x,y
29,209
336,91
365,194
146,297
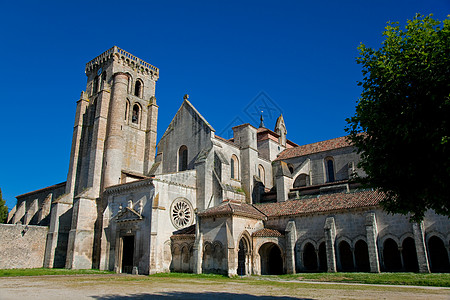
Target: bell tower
x,y
114,141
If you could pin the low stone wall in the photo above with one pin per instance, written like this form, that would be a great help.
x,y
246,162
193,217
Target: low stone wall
x,y
22,246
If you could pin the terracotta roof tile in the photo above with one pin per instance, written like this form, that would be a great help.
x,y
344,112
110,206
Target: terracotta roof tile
x,y
336,143
321,203
266,232
229,207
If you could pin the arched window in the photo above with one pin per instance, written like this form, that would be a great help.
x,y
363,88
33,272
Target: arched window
x,y
234,167
103,80
301,180
138,89
95,86
127,110
182,158
262,174
291,168
135,116
329,166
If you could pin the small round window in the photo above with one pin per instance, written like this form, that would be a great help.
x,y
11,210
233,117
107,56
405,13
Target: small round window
x,y
181,213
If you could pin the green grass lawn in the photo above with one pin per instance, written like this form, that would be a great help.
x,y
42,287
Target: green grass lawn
x,y
433,279
43,271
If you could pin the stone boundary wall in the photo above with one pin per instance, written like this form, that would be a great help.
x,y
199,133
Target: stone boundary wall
x,y
22,246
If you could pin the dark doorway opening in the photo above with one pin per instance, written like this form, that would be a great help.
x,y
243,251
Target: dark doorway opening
x,y
345,256
271,260
410,255
362,256
438,255
309,257
241,258
392,260
323,265
127,254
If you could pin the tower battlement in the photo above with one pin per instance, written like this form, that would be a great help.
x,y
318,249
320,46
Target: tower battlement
x,y
125,57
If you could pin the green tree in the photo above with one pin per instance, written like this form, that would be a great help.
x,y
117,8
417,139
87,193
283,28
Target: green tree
x,y
3,209
401,125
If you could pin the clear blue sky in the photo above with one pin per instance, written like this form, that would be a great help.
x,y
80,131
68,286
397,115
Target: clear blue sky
x,y
223,54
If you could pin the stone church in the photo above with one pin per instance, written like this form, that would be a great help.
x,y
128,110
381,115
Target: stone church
x,y
193,201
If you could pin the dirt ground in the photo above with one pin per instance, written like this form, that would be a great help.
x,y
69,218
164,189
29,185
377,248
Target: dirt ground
x,y
121,287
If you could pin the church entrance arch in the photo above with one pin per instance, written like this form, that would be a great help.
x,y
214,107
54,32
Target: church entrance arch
x,y
243,257
127,253
271,259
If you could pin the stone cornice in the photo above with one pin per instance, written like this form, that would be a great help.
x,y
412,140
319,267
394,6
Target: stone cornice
x,y
116,189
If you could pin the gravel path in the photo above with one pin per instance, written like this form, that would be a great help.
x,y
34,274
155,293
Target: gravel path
x,y
121,287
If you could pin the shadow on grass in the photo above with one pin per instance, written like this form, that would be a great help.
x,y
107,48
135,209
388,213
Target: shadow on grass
x,y
186,295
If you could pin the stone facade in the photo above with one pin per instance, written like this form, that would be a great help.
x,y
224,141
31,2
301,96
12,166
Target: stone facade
x,y
254,204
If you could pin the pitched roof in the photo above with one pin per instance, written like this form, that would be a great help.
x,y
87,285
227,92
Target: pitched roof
x,y
188,105
336,143
321,203
229,207
266,232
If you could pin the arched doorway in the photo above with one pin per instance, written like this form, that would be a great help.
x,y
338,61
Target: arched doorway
x,y
309,257
362,256
244,247
323,265
271,260
346,256
409,255
127,254
391,255
438,255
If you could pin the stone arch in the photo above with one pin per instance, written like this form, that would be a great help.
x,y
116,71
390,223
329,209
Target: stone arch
x,y
183,158
185,257
438,253
207,261
391,255
127,111
345,254
167,255
234,162
262,174
309,257
301,180
322,253
136,114
361,252
409,253
218,256
139,88
176,259
244,253
330,169
271,257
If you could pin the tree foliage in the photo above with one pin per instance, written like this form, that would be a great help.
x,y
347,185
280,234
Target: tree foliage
x,y
401,127
3,209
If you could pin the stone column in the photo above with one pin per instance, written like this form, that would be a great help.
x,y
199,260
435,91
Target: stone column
x,y
291,238
231,250
372,236
198,247
114,144
421,249
330,237
283,181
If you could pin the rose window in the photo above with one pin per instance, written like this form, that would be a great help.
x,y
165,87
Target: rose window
x,y
181,213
